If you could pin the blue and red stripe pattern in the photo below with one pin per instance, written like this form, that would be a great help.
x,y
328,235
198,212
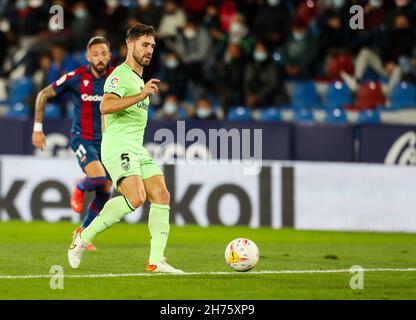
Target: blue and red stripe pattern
x,y
87,91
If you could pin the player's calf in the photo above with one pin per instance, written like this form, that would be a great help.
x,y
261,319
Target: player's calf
x,y
82,185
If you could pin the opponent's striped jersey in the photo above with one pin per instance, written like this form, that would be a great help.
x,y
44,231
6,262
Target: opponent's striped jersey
x,y
87,91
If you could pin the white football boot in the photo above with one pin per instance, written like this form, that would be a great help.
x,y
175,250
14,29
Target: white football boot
x,y
162,267
76,250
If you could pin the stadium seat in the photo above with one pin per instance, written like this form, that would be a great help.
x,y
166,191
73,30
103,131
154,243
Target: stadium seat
x,y
20,90
338,95
151,113
369,117
336,115
80,58
182,114
369,96
52,111
270,115
403,96
303,115
18,110
305,95
239,114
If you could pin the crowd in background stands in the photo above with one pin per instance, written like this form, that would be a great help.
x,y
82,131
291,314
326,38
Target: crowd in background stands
x,y
216,53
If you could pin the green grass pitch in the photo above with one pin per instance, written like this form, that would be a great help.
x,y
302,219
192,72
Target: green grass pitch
x,y
32,248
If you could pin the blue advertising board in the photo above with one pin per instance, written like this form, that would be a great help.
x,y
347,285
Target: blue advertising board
x,y
215,139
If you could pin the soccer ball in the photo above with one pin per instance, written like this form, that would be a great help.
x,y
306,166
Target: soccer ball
x,y
242,254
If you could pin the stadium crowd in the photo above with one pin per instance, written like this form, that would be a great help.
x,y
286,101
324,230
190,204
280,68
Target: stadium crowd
x,y
214,55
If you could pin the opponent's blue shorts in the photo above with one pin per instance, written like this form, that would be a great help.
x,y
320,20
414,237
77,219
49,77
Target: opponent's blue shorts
x,y
86,152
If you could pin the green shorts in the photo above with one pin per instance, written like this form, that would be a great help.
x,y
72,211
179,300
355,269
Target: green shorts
x,y
129,163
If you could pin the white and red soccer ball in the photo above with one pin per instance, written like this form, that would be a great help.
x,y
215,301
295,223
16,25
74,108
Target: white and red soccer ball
x,y
242,254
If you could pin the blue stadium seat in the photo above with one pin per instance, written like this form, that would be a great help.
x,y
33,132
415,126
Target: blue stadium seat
x,y
270,115
239,114
182,114
336,115
369,117
151,113
80,58
20,90
337,95
403,95
18,110
306,94
303,115
52,111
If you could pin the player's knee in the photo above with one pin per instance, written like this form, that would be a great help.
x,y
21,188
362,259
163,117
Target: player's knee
x,y
161,197
137,200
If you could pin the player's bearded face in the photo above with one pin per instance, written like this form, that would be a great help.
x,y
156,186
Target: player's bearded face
x,y
143,50
99,56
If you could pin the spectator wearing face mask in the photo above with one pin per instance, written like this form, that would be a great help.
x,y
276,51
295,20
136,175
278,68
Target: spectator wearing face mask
x,y
239,33
192,46
334,28
169,109
262,84
230,80
173,80
300,51
110,17
204,109
146,12
272,23
374,17
80,26
406,7
27,17
173,19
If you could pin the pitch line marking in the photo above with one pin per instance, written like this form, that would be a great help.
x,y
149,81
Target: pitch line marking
x,y
143,274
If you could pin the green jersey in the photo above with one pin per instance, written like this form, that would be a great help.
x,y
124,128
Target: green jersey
x,y
124,130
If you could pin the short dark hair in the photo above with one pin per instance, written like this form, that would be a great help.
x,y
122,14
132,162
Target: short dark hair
x,y
138,30
98,40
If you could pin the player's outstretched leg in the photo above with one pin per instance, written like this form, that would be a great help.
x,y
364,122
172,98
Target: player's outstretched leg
x,y
94,208
82,185
114,210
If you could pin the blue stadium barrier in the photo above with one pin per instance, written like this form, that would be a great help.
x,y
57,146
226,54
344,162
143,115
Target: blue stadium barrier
x,y
336,115
239,114
18,110
303,115
270,114
369,117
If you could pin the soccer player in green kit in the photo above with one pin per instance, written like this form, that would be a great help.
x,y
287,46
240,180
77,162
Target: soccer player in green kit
x,y
133,171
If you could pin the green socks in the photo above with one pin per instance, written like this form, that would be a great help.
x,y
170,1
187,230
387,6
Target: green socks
x,y
159,231
114,210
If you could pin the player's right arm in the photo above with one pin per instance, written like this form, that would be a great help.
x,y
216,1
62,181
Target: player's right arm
x,y
112,101
38,137
64,83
